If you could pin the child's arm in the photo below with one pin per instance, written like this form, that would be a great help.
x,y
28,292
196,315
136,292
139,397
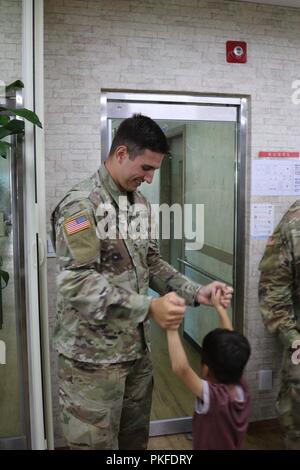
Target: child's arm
x,y
225,321
181,366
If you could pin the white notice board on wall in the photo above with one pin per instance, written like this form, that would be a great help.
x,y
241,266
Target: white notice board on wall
x,y
273,178
262,221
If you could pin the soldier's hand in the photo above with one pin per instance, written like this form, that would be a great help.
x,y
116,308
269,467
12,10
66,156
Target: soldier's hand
x,y
168,311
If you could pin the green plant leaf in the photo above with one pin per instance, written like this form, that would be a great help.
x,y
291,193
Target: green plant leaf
x,y
4,133
14,126
4,146
12,86
4,120
5,276
26,114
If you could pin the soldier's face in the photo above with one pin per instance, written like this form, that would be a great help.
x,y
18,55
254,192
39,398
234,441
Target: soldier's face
x,y
132,173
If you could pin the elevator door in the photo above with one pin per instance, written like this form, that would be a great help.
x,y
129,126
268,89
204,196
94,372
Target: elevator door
x,y
201,169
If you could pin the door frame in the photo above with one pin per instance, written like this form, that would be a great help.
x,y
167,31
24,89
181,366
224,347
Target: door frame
x,y
122,104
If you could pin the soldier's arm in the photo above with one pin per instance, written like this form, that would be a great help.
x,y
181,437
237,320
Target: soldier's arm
x,y
164,278
276,286
79,282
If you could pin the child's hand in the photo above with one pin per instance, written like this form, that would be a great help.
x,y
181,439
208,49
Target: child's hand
x,y
204,294
216,298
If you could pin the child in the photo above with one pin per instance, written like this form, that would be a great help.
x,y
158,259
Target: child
x,y
222,399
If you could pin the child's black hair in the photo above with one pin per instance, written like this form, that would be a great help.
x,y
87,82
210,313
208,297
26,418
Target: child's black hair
x,y
226,353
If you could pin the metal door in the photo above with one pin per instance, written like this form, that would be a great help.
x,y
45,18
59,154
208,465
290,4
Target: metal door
x,y
14,392
25,392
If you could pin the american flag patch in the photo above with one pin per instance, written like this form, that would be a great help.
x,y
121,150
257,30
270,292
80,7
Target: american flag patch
x,y
76,225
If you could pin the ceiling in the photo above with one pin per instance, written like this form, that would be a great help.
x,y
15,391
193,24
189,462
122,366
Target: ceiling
x,y
283,3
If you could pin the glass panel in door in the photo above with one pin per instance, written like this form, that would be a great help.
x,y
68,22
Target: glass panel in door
x,y
14,395
9,369
210,180
200,170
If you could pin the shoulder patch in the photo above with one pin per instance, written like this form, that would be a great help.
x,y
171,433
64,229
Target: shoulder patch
x,y
76,224
81,238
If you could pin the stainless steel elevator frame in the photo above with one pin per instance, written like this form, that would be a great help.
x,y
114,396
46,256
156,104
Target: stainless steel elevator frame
x,y
122,104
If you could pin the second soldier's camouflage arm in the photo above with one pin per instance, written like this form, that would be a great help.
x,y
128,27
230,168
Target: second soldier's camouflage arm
x,y
276,286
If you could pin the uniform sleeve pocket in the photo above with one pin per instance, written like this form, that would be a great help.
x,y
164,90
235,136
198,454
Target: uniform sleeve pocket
x,y
81,238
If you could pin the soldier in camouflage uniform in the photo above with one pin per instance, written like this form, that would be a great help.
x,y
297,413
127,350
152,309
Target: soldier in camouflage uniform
x,y
102,331
279,297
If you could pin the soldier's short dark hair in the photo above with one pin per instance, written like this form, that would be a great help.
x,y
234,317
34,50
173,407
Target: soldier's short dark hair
x,y
139,133
226,353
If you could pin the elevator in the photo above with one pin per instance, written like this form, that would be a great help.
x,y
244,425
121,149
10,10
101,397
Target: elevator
x,y
206,167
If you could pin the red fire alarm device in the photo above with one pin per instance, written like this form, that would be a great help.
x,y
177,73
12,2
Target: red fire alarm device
x,y
236,52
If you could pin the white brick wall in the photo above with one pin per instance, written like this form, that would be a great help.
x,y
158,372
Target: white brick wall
x,y
179,46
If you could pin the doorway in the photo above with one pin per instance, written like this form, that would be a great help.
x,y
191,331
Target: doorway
x,y
206,166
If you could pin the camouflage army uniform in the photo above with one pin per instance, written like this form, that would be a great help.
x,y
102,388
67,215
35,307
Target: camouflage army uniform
x,y
279,297
102,331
